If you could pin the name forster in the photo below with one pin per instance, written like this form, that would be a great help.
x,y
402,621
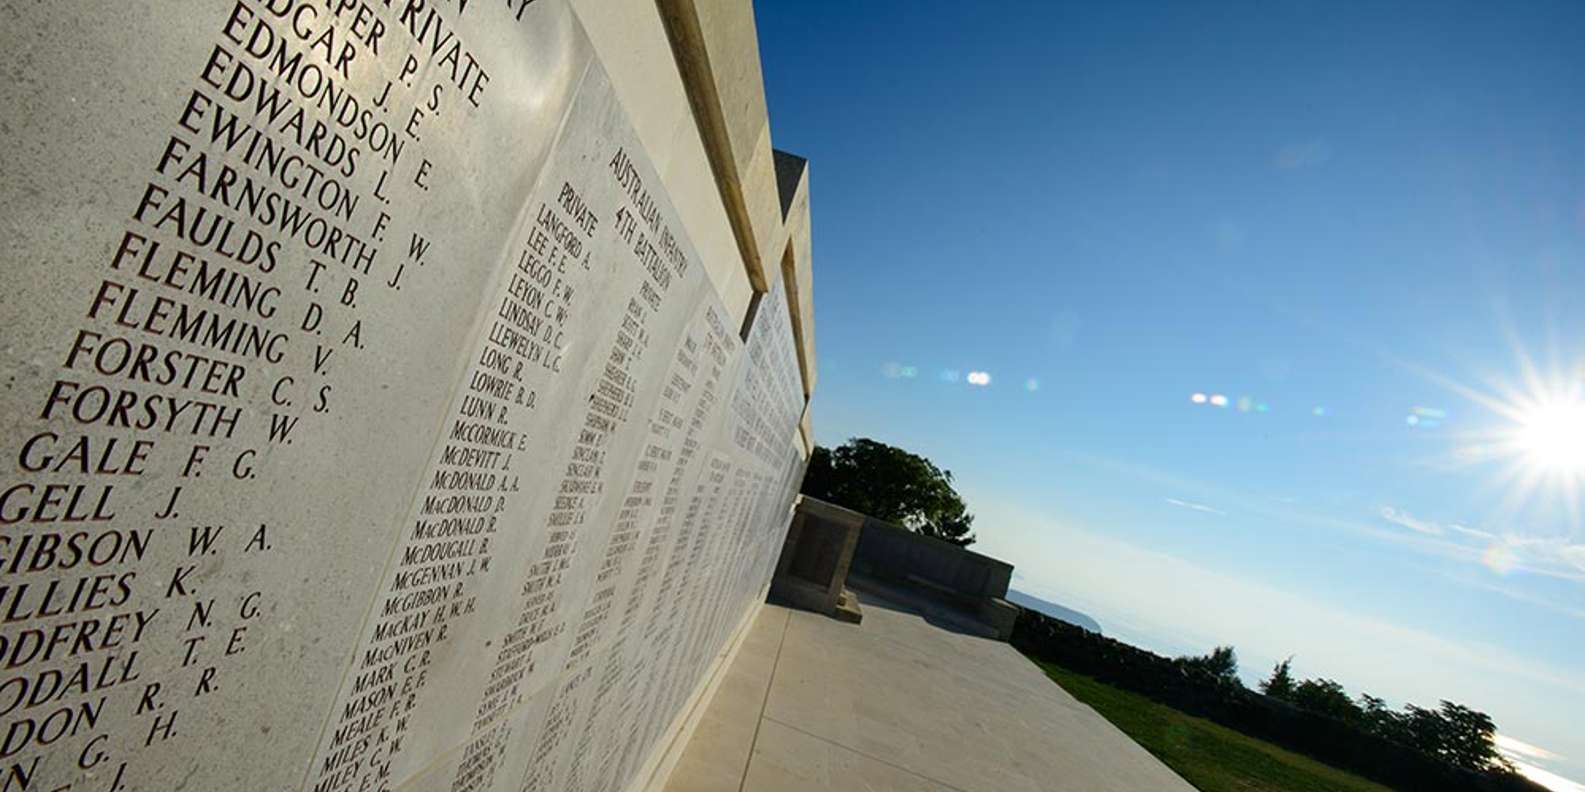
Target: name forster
x,y
268,507
147,362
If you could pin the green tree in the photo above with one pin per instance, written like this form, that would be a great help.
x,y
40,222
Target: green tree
x,y
1328,698
1383,721
1452,733
1457,735
1221,663
1425,730
891,484
1280,684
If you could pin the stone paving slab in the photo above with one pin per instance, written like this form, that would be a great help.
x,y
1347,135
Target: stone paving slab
x,y
903,701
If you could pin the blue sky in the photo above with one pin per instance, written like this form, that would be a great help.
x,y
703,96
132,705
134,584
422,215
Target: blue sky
x,y
1346,215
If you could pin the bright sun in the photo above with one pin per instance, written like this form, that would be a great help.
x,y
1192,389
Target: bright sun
x,y
1551,437
1538,445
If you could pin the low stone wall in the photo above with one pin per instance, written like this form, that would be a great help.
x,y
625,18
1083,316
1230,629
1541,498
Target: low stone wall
x,y
975,583
887,550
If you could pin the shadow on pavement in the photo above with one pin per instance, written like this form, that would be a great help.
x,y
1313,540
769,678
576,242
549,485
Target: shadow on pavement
x,y
934,609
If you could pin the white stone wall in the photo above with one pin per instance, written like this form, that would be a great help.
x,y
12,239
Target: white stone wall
x,y
374,412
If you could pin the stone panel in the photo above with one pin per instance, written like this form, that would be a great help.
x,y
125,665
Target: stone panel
x,y
369,420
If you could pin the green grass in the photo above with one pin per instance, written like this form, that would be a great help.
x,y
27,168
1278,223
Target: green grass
x,y
1213,758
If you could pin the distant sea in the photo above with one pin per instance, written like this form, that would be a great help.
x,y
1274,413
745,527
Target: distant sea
x,y
1053,610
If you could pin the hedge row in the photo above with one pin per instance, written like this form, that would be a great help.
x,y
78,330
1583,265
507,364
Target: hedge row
x,y
1230,704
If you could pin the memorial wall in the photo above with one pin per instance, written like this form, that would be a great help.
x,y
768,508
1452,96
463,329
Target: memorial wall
x,y
368,418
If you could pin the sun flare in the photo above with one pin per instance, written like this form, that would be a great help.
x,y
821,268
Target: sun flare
x,y
1537,440
1551,437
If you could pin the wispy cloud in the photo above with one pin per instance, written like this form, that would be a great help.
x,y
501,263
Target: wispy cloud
x,y
1547,778
1523,755
1519,595
1199,507
1515,747
1574,555
1246,504
1407,520
1502,551
1471,532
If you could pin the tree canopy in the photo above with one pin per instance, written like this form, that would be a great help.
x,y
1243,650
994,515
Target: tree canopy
x,y
1221,664
1280,683
1453,733
891,484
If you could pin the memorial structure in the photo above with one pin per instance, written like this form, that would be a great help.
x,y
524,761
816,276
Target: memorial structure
x,y
396,395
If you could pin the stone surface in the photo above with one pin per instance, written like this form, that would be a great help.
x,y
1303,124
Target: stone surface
x,y
814,562
720,65
899,703
369,420
727,726
792,176
631,44
848,608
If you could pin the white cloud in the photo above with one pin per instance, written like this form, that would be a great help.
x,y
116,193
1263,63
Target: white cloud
x,y
1548,779
1199,507
1407,520
1574,555
1552,557
1523,755
1472,532
1501,552
1517,748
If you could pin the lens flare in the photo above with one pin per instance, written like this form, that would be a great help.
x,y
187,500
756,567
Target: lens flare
x,y
1425,417
979,378
1198,398
1218,400
1499,558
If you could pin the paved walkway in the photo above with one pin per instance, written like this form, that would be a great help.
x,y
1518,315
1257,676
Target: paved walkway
x,y
899,703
